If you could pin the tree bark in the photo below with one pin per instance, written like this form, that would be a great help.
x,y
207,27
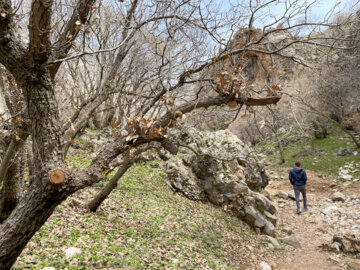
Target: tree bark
x,y
111,185
45,129
25,220
12,187
41,198
9,154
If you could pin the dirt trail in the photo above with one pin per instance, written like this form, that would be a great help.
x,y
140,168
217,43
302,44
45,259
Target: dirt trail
x,y
306,226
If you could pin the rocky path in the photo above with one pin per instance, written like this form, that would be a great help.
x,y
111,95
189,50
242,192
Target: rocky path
x,y
318,225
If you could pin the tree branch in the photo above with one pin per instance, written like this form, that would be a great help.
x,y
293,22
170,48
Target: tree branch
x,y
70,32
39,30
12,52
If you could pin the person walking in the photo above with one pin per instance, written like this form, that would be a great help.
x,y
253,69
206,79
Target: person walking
x,y
297,177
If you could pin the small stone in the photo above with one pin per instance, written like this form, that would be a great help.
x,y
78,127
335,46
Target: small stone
x,y
338,196
274,242
333,208
292,197
346,176
265,266
291,241
282,195
71,252
333,258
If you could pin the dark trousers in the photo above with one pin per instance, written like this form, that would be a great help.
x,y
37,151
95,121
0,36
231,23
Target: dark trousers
x,y
297,190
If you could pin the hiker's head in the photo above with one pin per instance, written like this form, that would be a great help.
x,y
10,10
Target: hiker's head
x,y
297,164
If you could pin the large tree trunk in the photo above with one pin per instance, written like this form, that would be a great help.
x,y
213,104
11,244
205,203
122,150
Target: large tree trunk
x,y
105,192
31,213
42,197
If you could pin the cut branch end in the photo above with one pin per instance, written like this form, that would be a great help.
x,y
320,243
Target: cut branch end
x,y
57,177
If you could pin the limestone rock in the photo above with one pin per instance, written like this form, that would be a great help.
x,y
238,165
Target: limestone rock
x,y
164,154
282,195
220,173
243,162
345,151
269,229
350,242
291,241
272,218
292,196
71,252
346,177
264,266
274,242
338,196
181,178
334,247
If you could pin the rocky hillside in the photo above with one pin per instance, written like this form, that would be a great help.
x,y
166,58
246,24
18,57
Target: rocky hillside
x,y
208,207
145,225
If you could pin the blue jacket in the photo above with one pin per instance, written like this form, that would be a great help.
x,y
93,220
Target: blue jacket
x,y
297,177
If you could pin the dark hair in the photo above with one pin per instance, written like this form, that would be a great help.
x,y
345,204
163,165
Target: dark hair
x,y
297,164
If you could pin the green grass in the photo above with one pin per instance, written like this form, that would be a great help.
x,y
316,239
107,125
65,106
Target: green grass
x,y
325,158
93,131
79,161
143,225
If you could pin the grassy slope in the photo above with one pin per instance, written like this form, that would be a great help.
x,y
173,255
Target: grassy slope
x,y
326,161
146,226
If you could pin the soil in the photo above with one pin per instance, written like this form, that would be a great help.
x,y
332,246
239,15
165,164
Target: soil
x,y
310,233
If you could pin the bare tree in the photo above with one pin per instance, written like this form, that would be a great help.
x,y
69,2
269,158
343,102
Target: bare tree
x,y
338,81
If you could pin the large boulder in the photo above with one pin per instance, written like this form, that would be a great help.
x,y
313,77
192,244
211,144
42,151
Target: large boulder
x,y
349,242
223,170
345,242
236,157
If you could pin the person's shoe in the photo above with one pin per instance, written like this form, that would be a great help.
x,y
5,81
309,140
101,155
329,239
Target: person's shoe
x,y
298,212
305,209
